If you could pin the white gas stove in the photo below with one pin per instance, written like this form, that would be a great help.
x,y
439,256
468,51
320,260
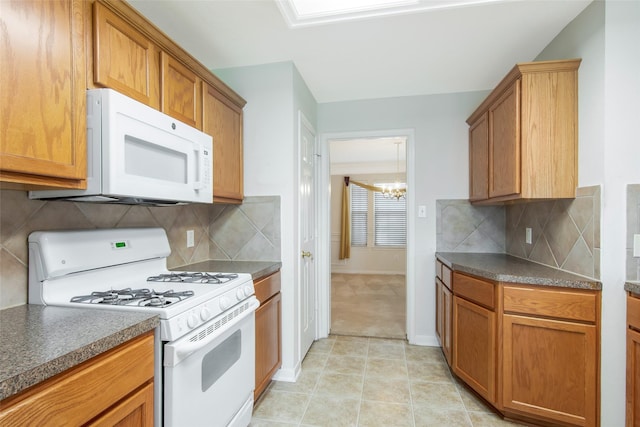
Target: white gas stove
x,y
202,314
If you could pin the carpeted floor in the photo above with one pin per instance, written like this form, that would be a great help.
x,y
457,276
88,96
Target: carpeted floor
x,y
368,305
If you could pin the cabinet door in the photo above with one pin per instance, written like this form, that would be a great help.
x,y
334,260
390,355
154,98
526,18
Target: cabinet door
x,y
504,143
268,354
223,120
42,90
134,411
633,378
124,59
550,369
447,323
474,341
439,312
181,92
479,159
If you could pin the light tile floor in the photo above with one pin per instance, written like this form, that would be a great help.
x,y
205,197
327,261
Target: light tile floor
x,y
356,381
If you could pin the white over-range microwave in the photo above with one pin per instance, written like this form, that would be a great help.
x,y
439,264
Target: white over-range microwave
x,y
138,155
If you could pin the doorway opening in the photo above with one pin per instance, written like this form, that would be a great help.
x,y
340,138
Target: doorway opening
x,y
368,249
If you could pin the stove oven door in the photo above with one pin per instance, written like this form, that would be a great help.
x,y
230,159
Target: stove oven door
x,y
209,374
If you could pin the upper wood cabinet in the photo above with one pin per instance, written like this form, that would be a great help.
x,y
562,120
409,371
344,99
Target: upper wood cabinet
x,y
222,119
123,58
42,91
478,159
181,88
531,125
134,57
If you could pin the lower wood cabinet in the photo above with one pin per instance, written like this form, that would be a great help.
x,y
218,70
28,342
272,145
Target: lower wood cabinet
x,y
533,352
633,361
474,336
444,310
268,335
106,390
550,369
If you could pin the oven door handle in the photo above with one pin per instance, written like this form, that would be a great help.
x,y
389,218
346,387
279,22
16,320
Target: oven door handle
x,y
180,349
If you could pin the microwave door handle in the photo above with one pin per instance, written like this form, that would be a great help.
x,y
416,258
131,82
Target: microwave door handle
x,y
198,184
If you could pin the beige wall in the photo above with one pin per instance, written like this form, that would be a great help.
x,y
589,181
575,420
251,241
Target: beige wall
x,y
363,260
250,231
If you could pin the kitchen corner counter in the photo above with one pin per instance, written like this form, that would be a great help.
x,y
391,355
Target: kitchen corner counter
x,y
633,287
257,269
39,342
507,268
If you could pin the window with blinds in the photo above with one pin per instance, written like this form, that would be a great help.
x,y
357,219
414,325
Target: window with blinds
x,y
359,213
390,220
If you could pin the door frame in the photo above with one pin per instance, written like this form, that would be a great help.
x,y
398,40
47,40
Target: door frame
x,y
323,222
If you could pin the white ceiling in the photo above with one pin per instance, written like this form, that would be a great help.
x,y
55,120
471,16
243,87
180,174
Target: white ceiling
x,y
468,46
439,46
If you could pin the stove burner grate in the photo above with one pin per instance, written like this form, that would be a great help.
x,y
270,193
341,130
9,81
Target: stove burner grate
x,y
214,278
141,297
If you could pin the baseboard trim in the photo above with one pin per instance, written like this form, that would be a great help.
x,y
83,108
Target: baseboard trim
x,y
425,340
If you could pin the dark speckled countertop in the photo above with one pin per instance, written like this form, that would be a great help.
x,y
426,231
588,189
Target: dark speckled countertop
x,y
506,268
633,287
257,269
39,342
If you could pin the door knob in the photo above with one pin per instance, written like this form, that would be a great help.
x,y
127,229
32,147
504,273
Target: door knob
x,y
306,254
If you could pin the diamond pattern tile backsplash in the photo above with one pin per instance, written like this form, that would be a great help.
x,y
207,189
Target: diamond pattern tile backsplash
x,y
246,232
463,227
633,227
565,233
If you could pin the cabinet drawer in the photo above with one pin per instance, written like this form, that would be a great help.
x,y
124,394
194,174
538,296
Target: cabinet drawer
x,y
446,276
560,304
633,312
438,269
475,290
267,287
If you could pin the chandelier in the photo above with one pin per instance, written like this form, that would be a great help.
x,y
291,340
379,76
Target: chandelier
x,y
395,191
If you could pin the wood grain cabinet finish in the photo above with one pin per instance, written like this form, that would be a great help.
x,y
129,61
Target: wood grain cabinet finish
x,y
124,59
268,335
532,135
444,310
181,91
222,119
42,90
533,352
633,361
550,351
474,347
106,390
478,159
133,57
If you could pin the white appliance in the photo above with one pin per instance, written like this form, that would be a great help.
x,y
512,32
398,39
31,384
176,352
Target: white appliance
x,y
205,345
138,155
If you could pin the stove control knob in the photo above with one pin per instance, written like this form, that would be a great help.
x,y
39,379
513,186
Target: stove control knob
x,y
205,314
248,290
225,303
192,321
239,294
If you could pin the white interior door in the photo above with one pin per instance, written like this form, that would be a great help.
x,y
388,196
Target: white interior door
x,y
307,221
